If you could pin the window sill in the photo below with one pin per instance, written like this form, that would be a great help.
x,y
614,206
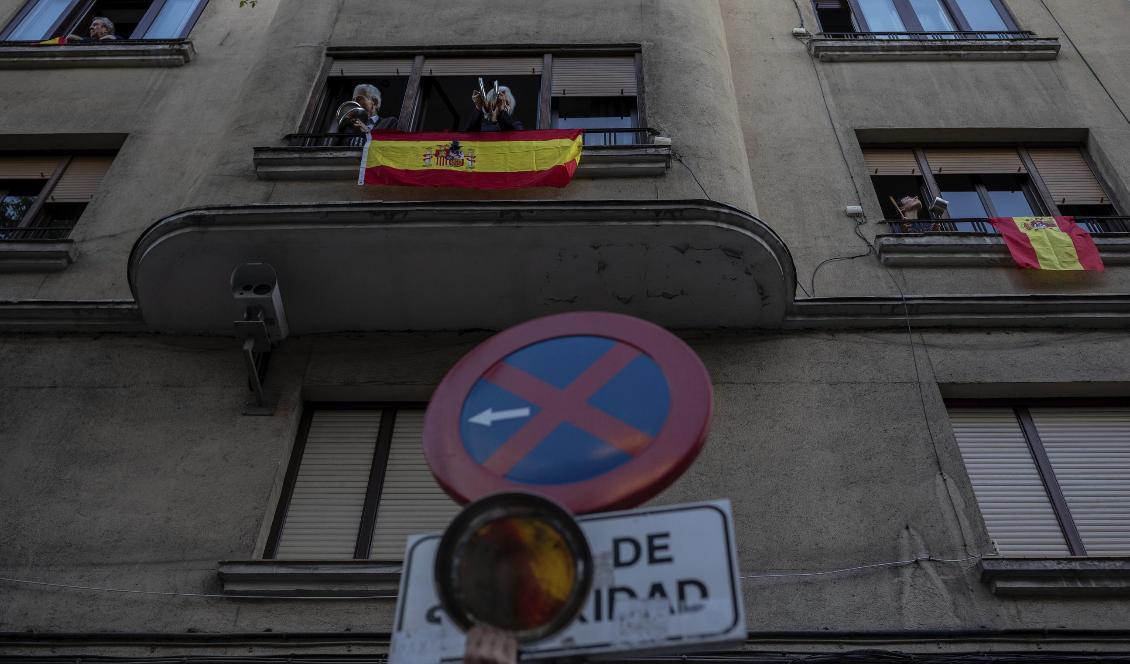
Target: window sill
x,y
342,163
36,255
974,250
834,49
274,578
164,53
1057,577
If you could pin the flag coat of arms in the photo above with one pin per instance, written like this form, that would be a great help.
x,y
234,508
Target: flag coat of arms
x,y
479,160
1048,243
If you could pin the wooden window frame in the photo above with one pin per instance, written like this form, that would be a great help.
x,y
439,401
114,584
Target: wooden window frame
x,y
1021,411
69,18
408,119
370,509
911,22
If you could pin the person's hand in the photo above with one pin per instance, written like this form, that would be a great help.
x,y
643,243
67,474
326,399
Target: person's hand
x,y
478,101
489,646
360,126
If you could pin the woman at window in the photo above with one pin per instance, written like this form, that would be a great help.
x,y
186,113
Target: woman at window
x,y
494,112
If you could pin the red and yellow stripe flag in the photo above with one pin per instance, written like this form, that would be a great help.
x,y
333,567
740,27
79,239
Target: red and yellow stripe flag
x,y
54,41
480,160
1048,243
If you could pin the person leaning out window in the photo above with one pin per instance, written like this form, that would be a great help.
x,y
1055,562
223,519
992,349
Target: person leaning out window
x,y
101,29
494,112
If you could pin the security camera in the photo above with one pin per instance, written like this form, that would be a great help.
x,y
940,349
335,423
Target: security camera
x,y
939,206
258,304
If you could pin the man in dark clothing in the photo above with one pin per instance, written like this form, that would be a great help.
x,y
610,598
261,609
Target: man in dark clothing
x,y
101,29
494,112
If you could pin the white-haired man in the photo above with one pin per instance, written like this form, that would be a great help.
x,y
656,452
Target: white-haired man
x,y
494,112
101,29
369,97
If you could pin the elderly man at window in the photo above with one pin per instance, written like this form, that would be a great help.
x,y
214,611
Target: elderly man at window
x,y
101,29
363,114
494,112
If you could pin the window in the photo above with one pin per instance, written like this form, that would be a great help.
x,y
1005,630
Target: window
x,y
133,19
42,197
845,16
434,93
988,182
357,485
1050,478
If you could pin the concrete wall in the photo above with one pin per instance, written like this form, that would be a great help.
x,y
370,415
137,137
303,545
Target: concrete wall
x,y
128,465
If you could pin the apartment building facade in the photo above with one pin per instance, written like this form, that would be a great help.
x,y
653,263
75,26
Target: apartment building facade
x,y
927,449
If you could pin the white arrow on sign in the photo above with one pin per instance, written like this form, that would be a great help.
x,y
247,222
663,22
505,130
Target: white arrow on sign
x,y
490,416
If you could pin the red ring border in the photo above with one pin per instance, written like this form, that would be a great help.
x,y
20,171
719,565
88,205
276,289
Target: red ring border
x,y
628,485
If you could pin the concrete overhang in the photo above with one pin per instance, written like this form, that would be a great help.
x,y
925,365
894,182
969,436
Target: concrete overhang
x,y
466,265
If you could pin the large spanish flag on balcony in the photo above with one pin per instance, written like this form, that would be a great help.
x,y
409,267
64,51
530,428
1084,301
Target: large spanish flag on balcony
x,y
1048,243
479,160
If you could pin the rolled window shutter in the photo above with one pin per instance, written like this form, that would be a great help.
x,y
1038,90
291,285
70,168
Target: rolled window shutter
x,y
375,68
984,161
411,501
1089,449
594,77
1005,480
891,162
324,514
1068,177
488,68
80,180
27,168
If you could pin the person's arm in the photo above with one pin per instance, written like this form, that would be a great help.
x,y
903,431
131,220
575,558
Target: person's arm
x,y
507,123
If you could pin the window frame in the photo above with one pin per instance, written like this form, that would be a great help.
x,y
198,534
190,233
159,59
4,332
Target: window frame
x,y
68,21
1021,411
377,470
911,22
410,107
28,222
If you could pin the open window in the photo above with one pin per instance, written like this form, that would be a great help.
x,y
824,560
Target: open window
x,y
598,95
901,16
42,197
447,83
132,19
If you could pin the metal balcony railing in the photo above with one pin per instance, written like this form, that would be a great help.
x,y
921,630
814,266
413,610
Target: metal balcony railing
x,y
981,225
592,137
931,36
34,233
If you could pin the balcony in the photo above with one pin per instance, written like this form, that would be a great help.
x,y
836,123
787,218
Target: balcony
x,y
639,152
36,249
346,267
114,53
974,242
875,46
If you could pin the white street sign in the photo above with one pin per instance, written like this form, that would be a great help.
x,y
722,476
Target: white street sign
x,y
665,578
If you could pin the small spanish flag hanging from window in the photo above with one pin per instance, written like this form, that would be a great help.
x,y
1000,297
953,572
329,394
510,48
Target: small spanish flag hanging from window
x,y
54,41
1048,243
478,160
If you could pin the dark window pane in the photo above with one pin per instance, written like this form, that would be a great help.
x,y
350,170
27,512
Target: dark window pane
x,y
982,15
125,14
1007,192
37,23
893,188
835,17
16,198
598,113
446,100
964,202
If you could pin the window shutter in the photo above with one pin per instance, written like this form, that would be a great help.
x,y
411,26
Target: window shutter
x,y
324,514
1002,160
488,68
1068,176
411,501
27,168
1008,487
891,162
80,180
1089,449
594,77
374,68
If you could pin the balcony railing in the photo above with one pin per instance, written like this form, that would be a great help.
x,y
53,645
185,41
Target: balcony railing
x,y
35,233
1018,35
1093,225
592,137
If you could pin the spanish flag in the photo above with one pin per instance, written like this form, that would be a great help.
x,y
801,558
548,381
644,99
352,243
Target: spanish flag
x,y
479,160
1048,243
55,41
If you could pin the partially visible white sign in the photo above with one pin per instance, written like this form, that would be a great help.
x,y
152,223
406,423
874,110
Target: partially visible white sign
x,y
665,578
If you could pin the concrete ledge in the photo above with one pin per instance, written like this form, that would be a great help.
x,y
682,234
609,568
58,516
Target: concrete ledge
x,y
974,250
36,255
846,50
273,578
133,54
342,163
70,316
1057,577
962,311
